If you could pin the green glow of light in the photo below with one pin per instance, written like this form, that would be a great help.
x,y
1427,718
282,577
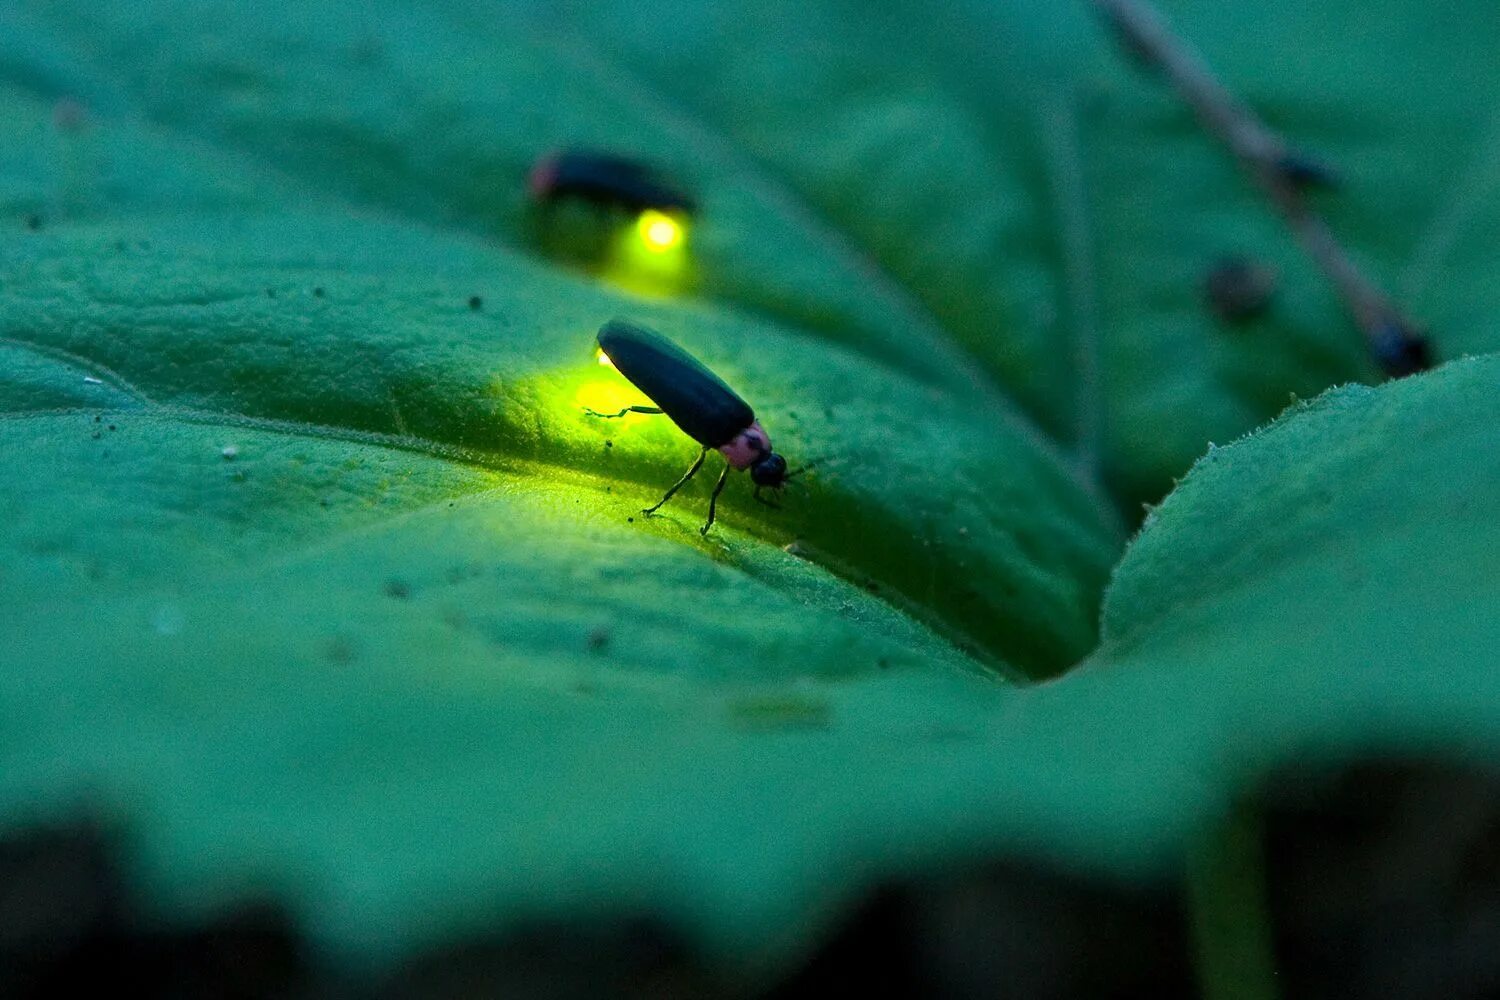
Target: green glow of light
x,y
609,392
604,396
650,256
659,232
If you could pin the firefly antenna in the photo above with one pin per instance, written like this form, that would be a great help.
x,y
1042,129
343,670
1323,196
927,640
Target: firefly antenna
x,y
815,463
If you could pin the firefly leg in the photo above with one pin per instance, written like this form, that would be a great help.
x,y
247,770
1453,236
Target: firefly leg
x,y
713,501
769,503
628,409
678,485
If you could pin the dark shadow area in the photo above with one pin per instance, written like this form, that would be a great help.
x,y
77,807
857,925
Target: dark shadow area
x,y
68,924
1384,882
1005,932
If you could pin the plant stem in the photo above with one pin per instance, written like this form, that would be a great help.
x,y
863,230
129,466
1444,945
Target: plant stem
x,y
1226,897
1283,174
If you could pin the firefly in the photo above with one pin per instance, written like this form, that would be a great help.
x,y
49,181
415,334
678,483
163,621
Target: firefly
x,y
698,402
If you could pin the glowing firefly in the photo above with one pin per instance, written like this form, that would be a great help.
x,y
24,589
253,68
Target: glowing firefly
x,y
697,401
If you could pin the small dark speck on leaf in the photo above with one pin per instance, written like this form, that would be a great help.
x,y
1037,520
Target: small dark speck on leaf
x,y
779,712
598,638
397,588
458,574
341,650
883,663
98,419
324,502
318,292
367,52
608,443
1239,289
33,222
476,303
940,734
630,520
270,293
111,426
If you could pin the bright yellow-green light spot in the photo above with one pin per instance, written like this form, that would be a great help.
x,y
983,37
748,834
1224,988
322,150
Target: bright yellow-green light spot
x,y
603,358
650,255
659,231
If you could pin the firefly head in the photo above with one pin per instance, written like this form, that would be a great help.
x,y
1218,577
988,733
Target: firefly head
x,y
747,447
770,470
541,183
751,449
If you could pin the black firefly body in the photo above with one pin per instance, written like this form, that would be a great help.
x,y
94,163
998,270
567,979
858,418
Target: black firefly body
x,y
606,180
696,400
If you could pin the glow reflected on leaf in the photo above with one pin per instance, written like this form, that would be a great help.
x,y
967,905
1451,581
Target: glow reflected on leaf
x,y
610,393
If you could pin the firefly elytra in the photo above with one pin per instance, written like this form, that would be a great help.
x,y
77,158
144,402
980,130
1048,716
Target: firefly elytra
x,y
698,402
606,180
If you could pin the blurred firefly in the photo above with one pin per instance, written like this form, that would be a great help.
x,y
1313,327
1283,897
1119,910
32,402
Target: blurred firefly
x,y
698,402
609,181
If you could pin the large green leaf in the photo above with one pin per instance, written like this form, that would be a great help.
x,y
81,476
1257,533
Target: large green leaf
x,y
271,709
314,571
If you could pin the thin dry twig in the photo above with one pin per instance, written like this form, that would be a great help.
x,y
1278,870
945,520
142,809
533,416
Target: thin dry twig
x,y
1283,173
